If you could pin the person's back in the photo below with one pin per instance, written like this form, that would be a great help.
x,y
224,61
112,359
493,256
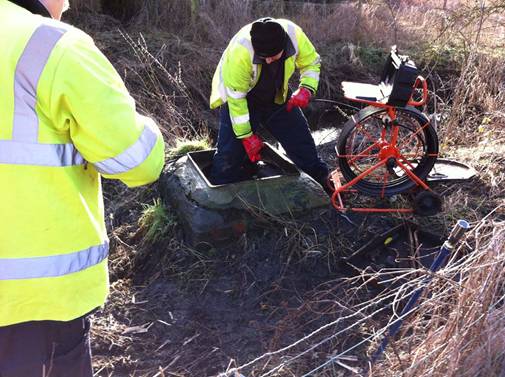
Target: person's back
x,y
65,118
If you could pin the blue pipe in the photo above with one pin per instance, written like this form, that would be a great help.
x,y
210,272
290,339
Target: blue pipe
x,y
457,233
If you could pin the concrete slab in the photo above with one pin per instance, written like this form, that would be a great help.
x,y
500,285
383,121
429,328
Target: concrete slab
x,y
221,213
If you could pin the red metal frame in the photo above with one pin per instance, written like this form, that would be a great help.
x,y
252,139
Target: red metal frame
x,y
388,149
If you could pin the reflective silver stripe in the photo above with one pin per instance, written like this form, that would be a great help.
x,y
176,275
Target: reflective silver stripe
x,y
17,153
235,94
54,265
255,72
222,90
131,157
28,71
292,36
310,74
240,119
248,45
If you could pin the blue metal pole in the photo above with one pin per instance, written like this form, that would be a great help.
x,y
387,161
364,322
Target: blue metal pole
x,y
457,232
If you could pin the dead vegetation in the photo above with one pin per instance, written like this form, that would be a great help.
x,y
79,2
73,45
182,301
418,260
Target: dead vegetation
x,y
458,329
173,310
169,64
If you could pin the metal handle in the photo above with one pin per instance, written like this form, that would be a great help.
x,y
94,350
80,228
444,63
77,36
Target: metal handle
x,y
457,232
424,86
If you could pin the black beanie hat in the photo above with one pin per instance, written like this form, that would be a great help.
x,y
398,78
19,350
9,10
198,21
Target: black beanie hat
x,y
34,6
268,37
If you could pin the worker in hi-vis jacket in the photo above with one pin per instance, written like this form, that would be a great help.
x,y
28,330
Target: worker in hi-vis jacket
x,y
66,119
251,87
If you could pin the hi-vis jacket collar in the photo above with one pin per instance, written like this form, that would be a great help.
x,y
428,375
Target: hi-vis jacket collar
x,y
34,6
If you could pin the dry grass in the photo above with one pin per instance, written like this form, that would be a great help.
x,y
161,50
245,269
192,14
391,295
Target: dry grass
x,y
478,100
457,43
459,328
86,5
161,89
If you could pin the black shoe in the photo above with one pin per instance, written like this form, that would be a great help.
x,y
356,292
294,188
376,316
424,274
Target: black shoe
x,y
327,185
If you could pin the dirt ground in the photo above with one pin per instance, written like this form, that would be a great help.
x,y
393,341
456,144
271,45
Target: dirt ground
x,y
193,311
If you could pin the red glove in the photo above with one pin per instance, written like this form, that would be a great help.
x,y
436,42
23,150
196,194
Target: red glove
x,y
299,98
253,145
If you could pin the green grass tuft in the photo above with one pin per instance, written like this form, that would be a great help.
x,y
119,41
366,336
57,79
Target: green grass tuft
x,y
182,147
155,221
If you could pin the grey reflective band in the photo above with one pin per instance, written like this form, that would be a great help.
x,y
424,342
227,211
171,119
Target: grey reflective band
x,y
26,79
248,45
131,157
255,72
222,89
310,74
57,155
23,149
235,94
241,119
54,265
292,36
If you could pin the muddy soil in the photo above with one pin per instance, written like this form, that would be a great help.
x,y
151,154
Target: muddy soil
x,y
199,309
195,312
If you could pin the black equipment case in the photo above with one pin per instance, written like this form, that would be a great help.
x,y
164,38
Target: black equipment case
x,y
398,78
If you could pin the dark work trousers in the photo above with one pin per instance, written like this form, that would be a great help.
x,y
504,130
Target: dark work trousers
x,y
289,128
46,349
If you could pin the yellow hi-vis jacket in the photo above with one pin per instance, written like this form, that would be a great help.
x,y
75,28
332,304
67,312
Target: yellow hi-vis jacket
x,y
239,70
65,119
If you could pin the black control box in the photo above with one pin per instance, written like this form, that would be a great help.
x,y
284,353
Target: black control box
x,y
398,78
